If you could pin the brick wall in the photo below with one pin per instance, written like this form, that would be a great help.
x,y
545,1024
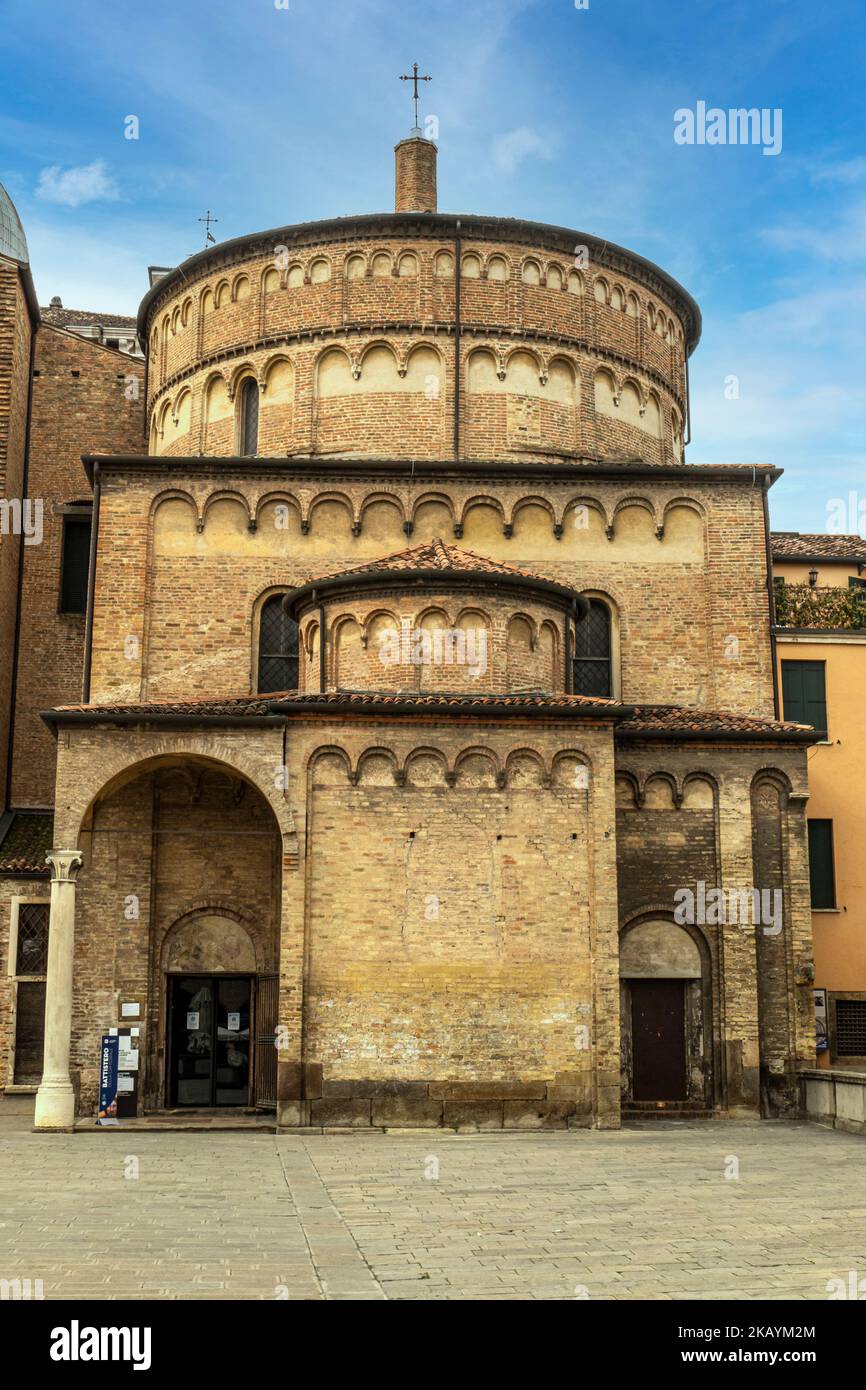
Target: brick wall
x,y
15,335
186,569
79,404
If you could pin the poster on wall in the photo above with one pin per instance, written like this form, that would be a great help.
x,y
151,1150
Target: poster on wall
x,y
108,1080
822,1041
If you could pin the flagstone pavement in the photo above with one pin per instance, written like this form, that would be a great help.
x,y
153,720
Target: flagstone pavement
x,y
658,1211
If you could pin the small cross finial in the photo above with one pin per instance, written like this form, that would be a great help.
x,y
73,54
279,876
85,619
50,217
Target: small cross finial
x,y
414,78
208,235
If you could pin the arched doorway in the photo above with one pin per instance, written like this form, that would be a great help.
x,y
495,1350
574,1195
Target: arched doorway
x,y
665,1005
215,996
182,877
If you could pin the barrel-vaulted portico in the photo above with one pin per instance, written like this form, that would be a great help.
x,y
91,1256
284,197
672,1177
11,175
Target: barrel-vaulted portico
x,y
174,879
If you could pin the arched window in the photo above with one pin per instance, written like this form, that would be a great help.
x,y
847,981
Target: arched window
x,y
248,408
278,648
591,667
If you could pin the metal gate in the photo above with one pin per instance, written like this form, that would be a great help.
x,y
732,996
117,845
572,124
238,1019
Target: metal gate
x,y
265,1065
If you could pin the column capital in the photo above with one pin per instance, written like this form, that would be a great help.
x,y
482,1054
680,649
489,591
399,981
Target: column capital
x,y
65,864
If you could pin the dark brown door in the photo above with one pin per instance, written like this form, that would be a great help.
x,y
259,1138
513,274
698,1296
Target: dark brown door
x,y
658,1039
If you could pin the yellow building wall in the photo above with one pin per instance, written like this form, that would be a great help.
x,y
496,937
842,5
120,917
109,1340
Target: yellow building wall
x,y
837,792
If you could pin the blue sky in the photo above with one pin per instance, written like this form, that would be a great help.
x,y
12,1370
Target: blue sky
x,y
274,115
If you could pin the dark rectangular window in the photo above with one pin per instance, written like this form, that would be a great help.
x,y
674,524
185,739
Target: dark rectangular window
x,y
851,1027
804,693
856,583
29,1032
75,564
821,874
32,952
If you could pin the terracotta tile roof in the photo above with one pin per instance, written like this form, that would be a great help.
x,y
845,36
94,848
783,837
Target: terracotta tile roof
x,y
677,720
290,700
797,545
435,556
26,842
633,721
59,317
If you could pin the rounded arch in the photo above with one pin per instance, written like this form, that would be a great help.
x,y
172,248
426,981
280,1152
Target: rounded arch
x,y
355,266
653,945
226,495
212,938
241,288
481,499
441,498
320,270
425,753
143,752
554,279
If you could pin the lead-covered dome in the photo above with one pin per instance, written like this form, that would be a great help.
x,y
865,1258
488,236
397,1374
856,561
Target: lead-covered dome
x,y
13,242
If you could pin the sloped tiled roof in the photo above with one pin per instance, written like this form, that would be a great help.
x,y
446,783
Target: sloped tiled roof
x,y
437,555
26,843
289,701
633,721
59,317
672,720
801,545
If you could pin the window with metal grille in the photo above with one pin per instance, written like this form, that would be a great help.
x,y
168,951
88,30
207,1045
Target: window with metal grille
x,y
31,957
278,648
851,1027
75,564
249,417
591,667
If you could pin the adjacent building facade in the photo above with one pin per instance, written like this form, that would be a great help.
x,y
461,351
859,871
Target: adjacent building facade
x,y
821,643
419,760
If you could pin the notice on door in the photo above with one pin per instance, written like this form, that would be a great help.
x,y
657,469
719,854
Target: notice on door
x,y
192,1020
234,1023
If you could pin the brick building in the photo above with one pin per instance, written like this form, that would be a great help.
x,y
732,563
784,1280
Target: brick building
x,y
422,717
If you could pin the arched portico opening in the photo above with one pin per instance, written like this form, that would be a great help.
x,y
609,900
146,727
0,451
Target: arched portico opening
x,y
181,882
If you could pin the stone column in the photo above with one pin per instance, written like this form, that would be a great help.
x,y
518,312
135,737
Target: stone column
x,y
55,1099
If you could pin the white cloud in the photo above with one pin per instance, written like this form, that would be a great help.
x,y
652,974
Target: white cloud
x,y
847,171
510,149
86,184
843,241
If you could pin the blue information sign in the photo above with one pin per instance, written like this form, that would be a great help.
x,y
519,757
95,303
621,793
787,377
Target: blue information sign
x,y
108,1080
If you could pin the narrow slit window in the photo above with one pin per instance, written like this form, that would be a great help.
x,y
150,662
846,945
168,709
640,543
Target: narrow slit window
x,y
249,418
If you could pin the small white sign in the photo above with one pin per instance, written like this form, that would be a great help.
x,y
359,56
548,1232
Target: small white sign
x,y
130,1011
128,1059
234,1023
125,1083
192,1020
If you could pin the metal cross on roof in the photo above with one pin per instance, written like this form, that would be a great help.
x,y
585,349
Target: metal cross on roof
x,y
208,235
414,78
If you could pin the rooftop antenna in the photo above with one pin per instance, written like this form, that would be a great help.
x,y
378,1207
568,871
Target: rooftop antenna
x,y
209,238
414,78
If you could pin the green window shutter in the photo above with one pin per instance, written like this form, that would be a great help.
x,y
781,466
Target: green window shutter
x,y
821,875
804,693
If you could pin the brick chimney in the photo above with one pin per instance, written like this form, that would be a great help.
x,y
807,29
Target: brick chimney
x,y
415,170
